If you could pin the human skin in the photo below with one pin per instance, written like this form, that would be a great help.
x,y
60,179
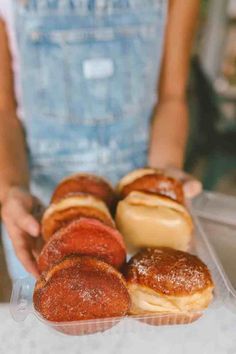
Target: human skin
x,y
169,130
168,136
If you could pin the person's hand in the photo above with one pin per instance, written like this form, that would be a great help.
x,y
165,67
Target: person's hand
x,y
192,187
20,213
168,139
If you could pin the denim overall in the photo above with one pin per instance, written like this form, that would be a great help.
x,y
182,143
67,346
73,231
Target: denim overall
x,y
89,76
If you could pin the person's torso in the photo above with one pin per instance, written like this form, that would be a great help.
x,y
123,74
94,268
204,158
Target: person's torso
x,y
89,72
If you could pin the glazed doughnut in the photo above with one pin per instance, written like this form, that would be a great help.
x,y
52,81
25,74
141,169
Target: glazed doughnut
x,y
85,237
151,181
85,183
147,220
81,288
72,207
168,281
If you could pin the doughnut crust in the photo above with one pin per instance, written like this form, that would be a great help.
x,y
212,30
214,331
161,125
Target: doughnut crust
x,y
81,288
88,184
151,181
147,220
164,280
61,213
85,237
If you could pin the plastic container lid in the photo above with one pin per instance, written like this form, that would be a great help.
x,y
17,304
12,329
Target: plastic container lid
x,y
216,207
216,217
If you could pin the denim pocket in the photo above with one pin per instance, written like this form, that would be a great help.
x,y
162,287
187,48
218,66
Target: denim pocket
x,y
90,76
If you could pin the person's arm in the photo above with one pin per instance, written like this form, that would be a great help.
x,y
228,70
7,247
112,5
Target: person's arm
x,y
13,159
170,124
15,199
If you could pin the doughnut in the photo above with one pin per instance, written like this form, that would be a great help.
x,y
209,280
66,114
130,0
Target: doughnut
x,y
72,207
80,288
165,281
151,181
147,220
85,237
85,183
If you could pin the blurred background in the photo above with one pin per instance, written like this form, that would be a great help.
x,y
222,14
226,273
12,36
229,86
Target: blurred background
x,y
211,152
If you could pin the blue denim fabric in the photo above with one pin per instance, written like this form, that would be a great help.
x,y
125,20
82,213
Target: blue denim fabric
x,y
90,71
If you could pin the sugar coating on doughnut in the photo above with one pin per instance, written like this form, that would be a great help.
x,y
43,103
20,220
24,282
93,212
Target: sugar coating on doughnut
x,y
87,237
81,288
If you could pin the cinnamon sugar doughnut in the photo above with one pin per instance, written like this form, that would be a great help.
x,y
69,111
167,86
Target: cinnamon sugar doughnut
x,y
85,183
81,288
73,207
87,237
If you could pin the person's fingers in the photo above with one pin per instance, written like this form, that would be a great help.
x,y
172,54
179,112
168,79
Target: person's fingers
x,y
13,231
38,244
179,174
25,221
27,259
26,249
21,225
24,210
24,254
29,224
23,245
192,188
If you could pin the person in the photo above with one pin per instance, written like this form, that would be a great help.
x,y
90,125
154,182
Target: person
x,y
90,85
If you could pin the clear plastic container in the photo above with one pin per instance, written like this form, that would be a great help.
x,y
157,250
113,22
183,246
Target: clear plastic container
x,y
213,214
216,217
215,207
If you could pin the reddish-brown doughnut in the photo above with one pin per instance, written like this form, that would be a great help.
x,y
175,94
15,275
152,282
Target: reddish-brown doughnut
x,y
156,183
87,237
73,207
85,183
81,288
